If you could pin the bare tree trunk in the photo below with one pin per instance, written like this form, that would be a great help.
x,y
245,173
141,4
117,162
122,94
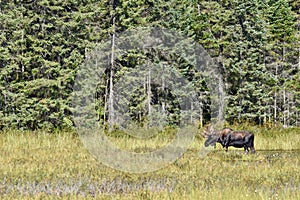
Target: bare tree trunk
x,y
275,97
163,104
270,113
105,102
221,100
297,118
201,114
284,108
149,93
111,91
23,70
192,109
265,117
112,64
288,110
299,48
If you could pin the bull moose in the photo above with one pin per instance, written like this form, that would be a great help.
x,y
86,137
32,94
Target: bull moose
x,y
228,137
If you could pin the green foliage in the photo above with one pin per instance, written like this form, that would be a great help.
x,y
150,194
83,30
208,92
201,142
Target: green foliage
x,y
43,43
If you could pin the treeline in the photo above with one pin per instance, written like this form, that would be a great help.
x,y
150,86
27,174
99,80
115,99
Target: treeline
x,y
44,42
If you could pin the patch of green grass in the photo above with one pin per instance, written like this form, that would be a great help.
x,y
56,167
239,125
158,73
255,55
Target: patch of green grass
x,y
38,165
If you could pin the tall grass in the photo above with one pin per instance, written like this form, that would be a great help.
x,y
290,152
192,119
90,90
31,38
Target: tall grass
x,y
38,165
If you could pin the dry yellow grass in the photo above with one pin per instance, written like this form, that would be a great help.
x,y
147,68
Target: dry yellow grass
x,y
37,165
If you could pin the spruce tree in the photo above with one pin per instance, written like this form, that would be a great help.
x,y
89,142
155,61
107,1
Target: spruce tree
x,y
281,58
248,77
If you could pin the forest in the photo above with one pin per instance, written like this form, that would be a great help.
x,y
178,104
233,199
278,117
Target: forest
x,y
255,44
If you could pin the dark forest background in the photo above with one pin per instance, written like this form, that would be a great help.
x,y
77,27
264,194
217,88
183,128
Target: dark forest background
x,y
44,42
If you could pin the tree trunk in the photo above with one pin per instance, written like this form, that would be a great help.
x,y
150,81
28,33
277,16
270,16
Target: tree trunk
x,y
149,93
275,96
112,64
284,108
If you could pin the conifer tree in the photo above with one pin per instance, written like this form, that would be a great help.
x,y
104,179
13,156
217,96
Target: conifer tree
x,y
247,73
281,57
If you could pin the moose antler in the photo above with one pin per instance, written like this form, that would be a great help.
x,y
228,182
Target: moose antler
x,y
207,131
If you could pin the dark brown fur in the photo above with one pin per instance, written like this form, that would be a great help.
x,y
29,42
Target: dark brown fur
x,y
227,137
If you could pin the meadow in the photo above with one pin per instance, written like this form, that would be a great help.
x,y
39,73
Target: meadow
x,y
40,165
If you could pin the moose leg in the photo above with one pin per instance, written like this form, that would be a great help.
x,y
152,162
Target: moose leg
x,y
252,144
252,149
226,148
246,149
226,142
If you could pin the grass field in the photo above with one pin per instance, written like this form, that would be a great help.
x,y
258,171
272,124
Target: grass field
x,y
38,165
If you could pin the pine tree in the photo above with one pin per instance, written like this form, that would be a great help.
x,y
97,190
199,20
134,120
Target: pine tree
x,y
281,58
45,43
247,74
